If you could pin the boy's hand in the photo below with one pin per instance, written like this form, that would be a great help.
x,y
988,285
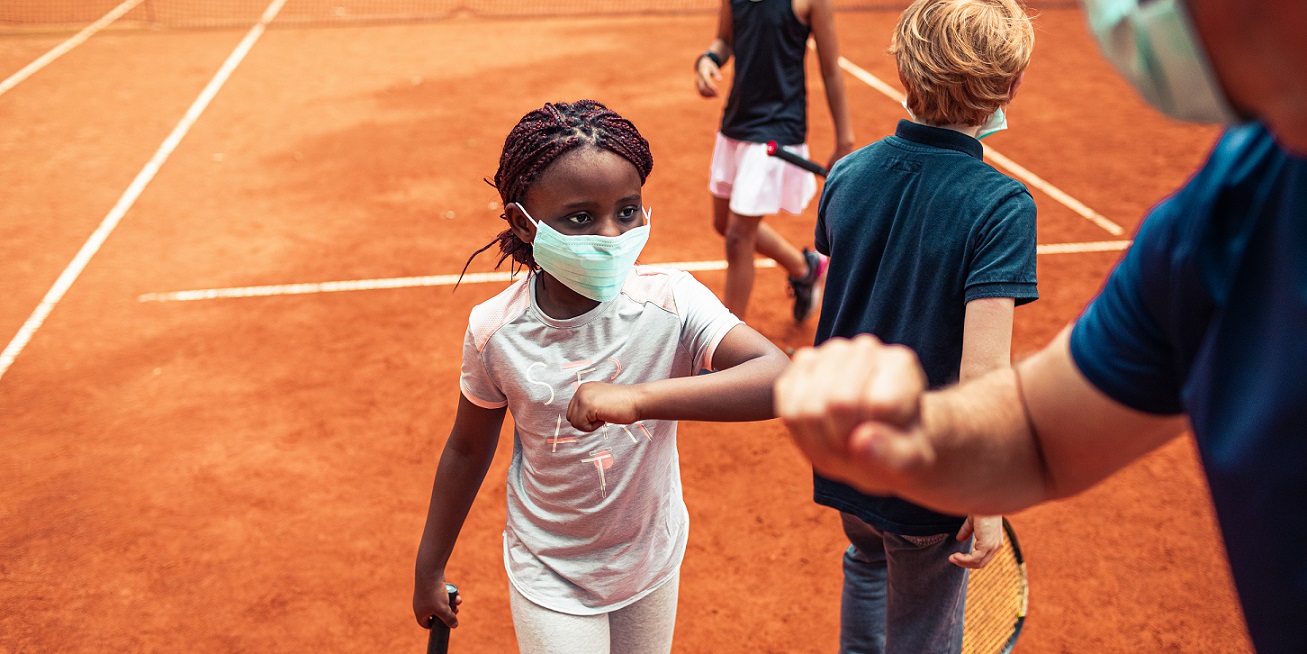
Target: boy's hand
x,y
430,599
853,406
989,538
597,403
707,74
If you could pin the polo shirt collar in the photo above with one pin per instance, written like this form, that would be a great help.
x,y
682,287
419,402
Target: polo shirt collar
x,y
939,137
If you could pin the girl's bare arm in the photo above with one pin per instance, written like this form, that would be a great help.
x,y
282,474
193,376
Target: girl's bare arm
x,y
467,456
746,364
822,21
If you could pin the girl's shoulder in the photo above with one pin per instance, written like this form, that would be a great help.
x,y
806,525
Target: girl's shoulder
x,y
669,288
655,285
486,318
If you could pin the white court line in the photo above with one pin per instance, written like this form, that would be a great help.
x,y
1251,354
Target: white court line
x,y
392,282
63,48
92,245
482,278
1012,167
1077,248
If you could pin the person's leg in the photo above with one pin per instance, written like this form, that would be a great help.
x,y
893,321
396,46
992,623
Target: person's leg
x,y
926,594
739,231
863,600
762,186
544,631
646,627
741,239
769,243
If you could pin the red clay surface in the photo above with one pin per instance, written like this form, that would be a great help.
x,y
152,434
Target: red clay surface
x,y
251,475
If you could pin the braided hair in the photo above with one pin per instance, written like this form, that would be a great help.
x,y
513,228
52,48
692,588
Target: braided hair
x,y
539,139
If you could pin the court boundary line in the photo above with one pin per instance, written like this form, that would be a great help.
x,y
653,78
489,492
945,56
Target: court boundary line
x,y
1058,195
67,46
128,198
311,288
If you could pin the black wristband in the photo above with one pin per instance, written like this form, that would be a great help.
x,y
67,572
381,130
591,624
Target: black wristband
x,y
709,54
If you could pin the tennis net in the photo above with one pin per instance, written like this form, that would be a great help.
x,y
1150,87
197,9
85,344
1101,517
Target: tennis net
x,y
73,14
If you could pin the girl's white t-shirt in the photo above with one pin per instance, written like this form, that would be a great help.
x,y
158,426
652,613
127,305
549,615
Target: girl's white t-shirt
x,y
596,520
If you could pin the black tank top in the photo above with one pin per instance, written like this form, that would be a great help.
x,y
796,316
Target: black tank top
x,y
769,97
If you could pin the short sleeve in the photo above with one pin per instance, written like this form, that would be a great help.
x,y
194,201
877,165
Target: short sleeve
x,y
475,381
1003,257
1119,343
704,319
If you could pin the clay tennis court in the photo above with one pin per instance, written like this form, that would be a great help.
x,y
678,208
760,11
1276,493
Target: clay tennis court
x,y
249,471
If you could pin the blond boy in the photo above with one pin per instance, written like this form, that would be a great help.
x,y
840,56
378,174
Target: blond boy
x,y
932,248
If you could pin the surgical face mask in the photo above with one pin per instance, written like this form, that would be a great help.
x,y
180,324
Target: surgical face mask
x,y
996,122
1154,46
592,265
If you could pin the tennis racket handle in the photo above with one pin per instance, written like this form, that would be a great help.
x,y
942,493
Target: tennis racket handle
x,y
438,640
785,155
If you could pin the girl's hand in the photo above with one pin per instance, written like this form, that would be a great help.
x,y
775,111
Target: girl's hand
x,y
989,538
707,74
596,403
430,601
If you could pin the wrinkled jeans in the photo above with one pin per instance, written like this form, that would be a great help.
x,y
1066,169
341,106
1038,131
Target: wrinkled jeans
x,y
901,594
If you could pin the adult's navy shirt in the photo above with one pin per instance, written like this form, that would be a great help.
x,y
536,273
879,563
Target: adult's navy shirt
x,y
1207,315
769,93
916,226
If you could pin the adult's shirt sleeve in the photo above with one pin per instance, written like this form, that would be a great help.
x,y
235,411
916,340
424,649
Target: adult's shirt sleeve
x,y
1120,343
1003,259
704,319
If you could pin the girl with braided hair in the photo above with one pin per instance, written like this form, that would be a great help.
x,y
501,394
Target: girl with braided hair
x,y
596,358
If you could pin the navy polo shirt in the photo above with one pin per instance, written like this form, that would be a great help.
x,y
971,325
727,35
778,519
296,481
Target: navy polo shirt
x,y
916,226
1207,315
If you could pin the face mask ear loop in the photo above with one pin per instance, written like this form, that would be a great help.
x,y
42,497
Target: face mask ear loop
x,y
524,213
648,215
534,222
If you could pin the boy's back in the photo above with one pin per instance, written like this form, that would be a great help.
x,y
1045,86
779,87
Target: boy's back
x,y
917,225
930,248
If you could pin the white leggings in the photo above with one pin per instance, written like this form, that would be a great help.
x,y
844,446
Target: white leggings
x,y
644,627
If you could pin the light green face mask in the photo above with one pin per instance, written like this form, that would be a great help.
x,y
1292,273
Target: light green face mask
x,y
1154,46
592,265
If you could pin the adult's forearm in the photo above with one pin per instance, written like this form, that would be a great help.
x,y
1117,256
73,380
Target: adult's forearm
x,y
988,460
1039,431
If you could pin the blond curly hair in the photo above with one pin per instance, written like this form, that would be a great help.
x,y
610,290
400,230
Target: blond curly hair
x,y
959,59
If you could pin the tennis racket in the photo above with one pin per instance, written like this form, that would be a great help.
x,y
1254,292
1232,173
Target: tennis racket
x,y
997,596
785,155
438,640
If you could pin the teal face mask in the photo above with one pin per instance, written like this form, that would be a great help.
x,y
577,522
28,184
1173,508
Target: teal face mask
x,y
592,265
996,123
1154,46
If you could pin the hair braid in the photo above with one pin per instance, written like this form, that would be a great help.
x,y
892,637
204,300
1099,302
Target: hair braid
x,y
539,139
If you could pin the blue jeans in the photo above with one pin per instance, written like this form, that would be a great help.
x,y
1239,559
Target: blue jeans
x,y
901,594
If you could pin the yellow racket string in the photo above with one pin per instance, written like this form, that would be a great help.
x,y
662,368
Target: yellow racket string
x,y
996,603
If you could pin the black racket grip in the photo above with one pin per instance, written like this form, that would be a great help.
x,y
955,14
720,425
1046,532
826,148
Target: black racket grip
x,y
438,640
785,155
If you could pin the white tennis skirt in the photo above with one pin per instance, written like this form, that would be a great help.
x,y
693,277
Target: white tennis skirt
x,y
759,184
